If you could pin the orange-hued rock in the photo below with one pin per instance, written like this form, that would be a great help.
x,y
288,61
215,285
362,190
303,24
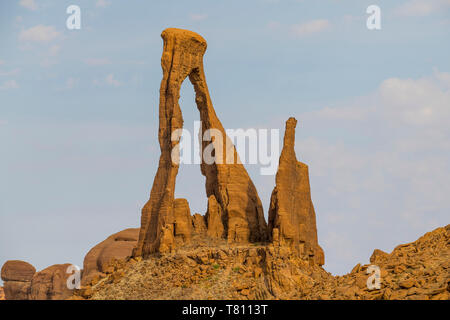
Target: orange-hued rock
x,y
118,246
17,277
51,283
183,221
16,270
230,184
198,224
214,216
2,294
292,220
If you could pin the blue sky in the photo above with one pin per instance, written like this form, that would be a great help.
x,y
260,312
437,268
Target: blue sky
x,y
79,115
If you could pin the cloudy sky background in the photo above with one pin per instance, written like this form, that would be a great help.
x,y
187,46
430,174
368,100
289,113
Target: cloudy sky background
x,y
78,115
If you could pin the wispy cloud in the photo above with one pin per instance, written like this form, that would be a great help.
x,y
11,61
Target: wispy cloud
x,y
109,80
97,61
39,33
102,3
416,8
29,4
9,84
198,16
9,73
310,27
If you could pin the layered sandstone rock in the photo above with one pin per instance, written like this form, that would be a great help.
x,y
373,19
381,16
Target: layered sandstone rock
x,y
51,283
118,246
214,215
17,277
183,221
2,294
292,220
198,224
226,178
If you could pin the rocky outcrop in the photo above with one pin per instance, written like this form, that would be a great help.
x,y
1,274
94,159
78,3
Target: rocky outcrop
x,y
51,283
292,220
2,294
183,221
198,224
214,215
413,271
98,260
417,270
226,177
22,282
17,277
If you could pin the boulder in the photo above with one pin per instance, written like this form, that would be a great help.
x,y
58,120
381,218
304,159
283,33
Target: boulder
x,y
292,219
17,277
226,177
51,283
118,246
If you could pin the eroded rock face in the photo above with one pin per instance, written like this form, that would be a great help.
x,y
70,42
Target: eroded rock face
x,y
17,277
118,246
229,183
183,221
51,283
292,220
214,214
198,224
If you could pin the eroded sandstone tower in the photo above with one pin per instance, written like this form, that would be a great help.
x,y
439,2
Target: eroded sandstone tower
x,y
231,193
292,219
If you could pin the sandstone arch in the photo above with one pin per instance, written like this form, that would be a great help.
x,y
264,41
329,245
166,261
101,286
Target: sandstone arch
x,y
241,209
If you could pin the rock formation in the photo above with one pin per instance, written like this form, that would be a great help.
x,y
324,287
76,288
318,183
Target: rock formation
x,y
51,283
292,220
118,246
214,223
183,221
198,224
22,282
241,209
17,277
2,294
417,270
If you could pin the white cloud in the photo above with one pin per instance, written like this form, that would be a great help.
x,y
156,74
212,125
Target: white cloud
x,y
9,84
39,33
29,4
97,62
198,16
380,164
310,27
102,3
415,8
109,80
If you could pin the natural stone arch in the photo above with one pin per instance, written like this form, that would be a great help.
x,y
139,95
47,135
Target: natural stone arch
x,y
232,188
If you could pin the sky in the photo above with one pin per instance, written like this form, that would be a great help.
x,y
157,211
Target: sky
x,y
79,115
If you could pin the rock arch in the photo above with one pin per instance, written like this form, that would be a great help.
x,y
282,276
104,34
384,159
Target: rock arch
x,y
240,207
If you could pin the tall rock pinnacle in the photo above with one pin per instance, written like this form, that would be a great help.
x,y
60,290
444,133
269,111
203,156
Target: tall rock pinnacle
x,y
240,207
292,220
